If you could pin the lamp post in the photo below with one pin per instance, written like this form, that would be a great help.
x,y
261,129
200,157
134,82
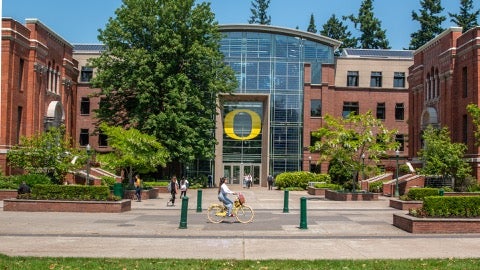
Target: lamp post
x,y
363,166
309,163
88,148
397,194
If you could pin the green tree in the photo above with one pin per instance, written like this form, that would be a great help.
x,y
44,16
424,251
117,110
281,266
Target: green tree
x,y
474,111
259,12
311,25
467,18
372,35
161,72
442,157
133,151
430,23
334,28
49,153
346,140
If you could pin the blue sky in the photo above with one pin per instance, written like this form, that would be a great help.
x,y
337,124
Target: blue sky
x,y
77,21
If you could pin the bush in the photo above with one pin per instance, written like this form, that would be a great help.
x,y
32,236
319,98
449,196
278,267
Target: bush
x,y
376,187
418,194
457,206
108,181
299,179
13,181
72,192
328,186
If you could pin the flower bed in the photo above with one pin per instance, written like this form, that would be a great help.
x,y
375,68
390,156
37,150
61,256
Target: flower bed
x,y
350,196
436,225
66,206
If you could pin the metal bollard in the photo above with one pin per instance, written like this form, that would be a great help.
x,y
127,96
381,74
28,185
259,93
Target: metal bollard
x,y
199,201
183,216
285,201
303,213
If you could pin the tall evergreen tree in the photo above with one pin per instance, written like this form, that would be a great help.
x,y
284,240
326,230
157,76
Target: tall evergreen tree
x,y
372,35
161,71
430,23
259,12
311,26
334,28
467,18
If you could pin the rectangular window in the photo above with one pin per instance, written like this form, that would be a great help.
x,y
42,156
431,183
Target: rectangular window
x,y
85,106
399,111
465,82
399,79
349,107
84,137
19,123
465,129
400,138
381,111
20,74
352,78
86,74
313,139
102,139
315,108
376,79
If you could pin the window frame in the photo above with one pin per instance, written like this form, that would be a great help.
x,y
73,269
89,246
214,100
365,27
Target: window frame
x,y
352,78
376,79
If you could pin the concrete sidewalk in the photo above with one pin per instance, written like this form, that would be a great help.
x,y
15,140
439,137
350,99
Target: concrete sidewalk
x,y
336,230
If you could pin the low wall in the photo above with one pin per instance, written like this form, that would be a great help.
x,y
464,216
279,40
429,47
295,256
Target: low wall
x,y
436,225
66,206
316,191
8,194
146,194
405,205
350,196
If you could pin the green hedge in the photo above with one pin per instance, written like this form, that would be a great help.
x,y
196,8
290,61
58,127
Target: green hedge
x,y
418,194
328,186
299,179
455,206
14,181
71,193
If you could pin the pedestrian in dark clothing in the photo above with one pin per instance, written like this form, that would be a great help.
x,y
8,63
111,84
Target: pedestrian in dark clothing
x,y
23,188
270,181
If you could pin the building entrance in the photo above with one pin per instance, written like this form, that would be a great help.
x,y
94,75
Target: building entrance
x,y
236,173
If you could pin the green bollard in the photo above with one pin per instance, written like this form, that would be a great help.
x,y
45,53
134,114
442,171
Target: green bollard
x,y
285,201
303,213
199,201
183,216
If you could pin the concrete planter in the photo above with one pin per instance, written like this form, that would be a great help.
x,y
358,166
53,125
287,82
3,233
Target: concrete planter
x,y
146,194
436,225
66,206
350,196
316,191
405,205
8,194
162,189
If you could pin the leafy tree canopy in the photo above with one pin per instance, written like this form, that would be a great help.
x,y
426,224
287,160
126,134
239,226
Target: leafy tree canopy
x,y
467,18
372,35
259,12
49,153
311,25
334,28
441,156
161,72
430,23
133,151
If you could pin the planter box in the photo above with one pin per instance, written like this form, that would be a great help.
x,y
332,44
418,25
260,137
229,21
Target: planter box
x,y
67,206
436,225
8,194
146,194
350,196
162,189
316,191
405,205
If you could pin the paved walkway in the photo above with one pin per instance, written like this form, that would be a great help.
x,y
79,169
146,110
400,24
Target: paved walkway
x,y
336,230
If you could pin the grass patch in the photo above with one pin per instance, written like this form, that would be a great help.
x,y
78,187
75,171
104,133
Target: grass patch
x,y
10,263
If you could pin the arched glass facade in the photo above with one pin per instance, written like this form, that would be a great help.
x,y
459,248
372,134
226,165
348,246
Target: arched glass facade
x,y
268,62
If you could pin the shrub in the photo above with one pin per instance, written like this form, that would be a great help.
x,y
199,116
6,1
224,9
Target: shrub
x,y
13,181
108,181
418,194
376,187
71,192
297,179
328,186
455,206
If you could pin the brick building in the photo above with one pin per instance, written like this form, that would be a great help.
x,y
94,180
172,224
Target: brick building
x,y
38,87
444,79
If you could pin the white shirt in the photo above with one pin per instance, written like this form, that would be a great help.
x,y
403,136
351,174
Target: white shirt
x,y
225,189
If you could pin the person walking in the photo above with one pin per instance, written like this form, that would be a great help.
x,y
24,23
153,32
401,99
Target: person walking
x,y
270,181
173,189
223,191
183,187
138,188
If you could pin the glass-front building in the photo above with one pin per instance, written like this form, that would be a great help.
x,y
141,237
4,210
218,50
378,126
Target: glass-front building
x,y
260,127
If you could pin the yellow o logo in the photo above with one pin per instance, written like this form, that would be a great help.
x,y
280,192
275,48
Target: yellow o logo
x,y
256,124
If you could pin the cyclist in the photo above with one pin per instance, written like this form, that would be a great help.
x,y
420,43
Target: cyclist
x,y
223,191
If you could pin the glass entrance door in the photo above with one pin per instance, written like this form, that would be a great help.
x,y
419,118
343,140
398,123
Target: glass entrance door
x,y
237,172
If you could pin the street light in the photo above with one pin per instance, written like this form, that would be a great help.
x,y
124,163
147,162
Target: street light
x,y
88,148
309,163
397,194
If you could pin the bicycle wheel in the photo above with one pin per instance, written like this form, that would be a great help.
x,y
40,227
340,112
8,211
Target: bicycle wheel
x,y
216,213
244,214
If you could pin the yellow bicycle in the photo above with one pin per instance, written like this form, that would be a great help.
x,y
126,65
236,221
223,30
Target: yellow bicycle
x,y
216,212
